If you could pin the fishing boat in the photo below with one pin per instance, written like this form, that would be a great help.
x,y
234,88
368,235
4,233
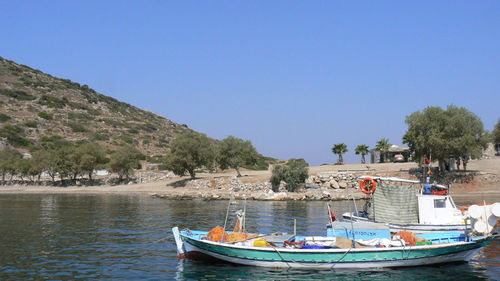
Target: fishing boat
x,y
345,245
431,209
323,252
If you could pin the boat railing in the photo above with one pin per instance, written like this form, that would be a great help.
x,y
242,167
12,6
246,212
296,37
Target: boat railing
x,y
392,179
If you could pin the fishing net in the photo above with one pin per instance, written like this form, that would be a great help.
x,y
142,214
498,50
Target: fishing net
x,y
236,236
395,204
217,234
409,237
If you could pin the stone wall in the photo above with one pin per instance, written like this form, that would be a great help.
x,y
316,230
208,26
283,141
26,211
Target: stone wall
x,y
333,180
332,186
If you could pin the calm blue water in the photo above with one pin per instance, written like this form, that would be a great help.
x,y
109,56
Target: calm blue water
x,y
71,237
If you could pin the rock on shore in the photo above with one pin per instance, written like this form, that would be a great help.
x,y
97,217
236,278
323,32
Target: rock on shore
x,y
331,186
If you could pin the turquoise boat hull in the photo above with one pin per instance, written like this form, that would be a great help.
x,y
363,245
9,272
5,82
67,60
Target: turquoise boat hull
x,y
334,258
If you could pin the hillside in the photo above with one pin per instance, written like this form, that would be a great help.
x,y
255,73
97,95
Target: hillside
x,y
36,107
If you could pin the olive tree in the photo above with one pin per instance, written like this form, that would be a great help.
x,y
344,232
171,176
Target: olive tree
x,y
235,153
9,159
496,132
89,156
294,173
188,152
443,134
124,160
47,159
29,168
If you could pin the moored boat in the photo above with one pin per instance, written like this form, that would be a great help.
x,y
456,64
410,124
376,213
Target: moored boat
x,y
328,257
432,209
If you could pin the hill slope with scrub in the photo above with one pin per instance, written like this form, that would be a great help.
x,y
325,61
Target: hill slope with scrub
x,y
36,107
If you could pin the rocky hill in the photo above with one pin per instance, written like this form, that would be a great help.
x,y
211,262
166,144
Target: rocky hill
x,y
37,107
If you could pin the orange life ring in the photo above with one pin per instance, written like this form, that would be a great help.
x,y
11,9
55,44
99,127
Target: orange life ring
x,y
368,185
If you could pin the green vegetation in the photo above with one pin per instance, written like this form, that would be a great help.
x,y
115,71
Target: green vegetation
x,y
67,160
53,102
128,140
47,141
363,150
17,94
188,152
444,134
45,115
340,149
76,127
496,132
30,168
101,135
124,160
77,105
93,112
8,162
294,174
235,153
79,116
147,128
383,146
89,157
261,164
4,117
14,135
31,124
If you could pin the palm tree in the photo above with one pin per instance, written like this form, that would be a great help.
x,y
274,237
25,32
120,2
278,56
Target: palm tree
x,y
363,150
340,148
383,146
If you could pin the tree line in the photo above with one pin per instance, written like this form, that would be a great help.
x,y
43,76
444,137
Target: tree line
x,y
437,134
433,132
67,161
189,152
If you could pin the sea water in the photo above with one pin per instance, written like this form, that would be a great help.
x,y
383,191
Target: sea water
x,y
128,237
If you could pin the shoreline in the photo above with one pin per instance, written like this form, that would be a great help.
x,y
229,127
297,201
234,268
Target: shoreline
x,y
484,187
171,193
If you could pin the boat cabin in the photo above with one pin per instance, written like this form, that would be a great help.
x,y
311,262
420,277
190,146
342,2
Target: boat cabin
x,y
438,209
396,202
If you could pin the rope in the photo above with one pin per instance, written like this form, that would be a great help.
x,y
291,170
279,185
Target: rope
x,y
342,257
282,259
305,264
159,240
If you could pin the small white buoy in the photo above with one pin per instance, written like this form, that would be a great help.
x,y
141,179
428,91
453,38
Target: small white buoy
x,y
475,211
495,209
480,226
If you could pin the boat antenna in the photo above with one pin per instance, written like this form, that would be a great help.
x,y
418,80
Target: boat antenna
x,y
225,221
355,207
352,229
486,217
295,227
244,220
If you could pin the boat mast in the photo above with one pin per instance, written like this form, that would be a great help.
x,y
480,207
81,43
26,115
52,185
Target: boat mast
x,y
225,221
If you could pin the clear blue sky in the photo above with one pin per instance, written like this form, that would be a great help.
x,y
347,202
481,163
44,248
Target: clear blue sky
x,y
294,77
